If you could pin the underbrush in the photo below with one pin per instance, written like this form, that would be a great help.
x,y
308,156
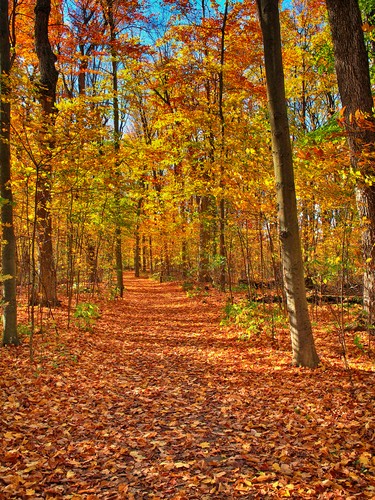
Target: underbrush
x,y
194,289
254,319
86,315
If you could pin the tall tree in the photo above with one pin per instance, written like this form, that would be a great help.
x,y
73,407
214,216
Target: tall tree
x,y
109,14
47,97
222,250
8,250
353,77
303,348
206,208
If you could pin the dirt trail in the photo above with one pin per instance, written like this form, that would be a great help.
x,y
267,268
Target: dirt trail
x,y
159,402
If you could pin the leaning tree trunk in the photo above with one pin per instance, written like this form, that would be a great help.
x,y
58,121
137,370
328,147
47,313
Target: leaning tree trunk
x,y
353,77
8,247
47,97
303,348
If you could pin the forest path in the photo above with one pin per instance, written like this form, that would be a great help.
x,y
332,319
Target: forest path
x,y
160,402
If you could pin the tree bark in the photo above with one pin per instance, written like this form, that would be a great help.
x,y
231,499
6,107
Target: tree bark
x,y
137,245
303,348
108,6
144,254
108,13
116,133
118,230
8,250
204,275
353,77
222,220
47,97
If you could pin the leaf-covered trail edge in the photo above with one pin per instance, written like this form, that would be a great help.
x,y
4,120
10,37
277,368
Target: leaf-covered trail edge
x,y
160,402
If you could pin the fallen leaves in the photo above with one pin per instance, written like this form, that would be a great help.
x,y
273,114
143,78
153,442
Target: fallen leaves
x,y
137,455
282,468
160,401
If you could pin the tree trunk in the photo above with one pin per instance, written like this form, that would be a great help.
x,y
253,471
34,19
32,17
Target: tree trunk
x,y
151,254
222,246
137,253
137,247
92,264
43,198
184,251
303,348
144,254
109,14
204,275
353,76
222,221
8,249
119,264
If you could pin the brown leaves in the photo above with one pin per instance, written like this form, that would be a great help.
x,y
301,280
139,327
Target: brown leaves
x,y
162,400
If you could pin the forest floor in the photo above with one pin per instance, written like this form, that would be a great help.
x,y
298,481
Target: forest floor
x,y
158,401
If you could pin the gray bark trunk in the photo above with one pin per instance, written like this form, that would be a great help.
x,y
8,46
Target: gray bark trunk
x,y
8,250
303,348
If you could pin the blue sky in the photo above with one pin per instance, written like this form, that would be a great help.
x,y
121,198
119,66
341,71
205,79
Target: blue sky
x,y
286,4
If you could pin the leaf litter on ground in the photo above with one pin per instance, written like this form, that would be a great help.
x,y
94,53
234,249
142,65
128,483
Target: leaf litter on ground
x,y
158,401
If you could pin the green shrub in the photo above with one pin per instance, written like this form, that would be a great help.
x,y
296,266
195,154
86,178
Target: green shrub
x,y
254,318
86,315
24,330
